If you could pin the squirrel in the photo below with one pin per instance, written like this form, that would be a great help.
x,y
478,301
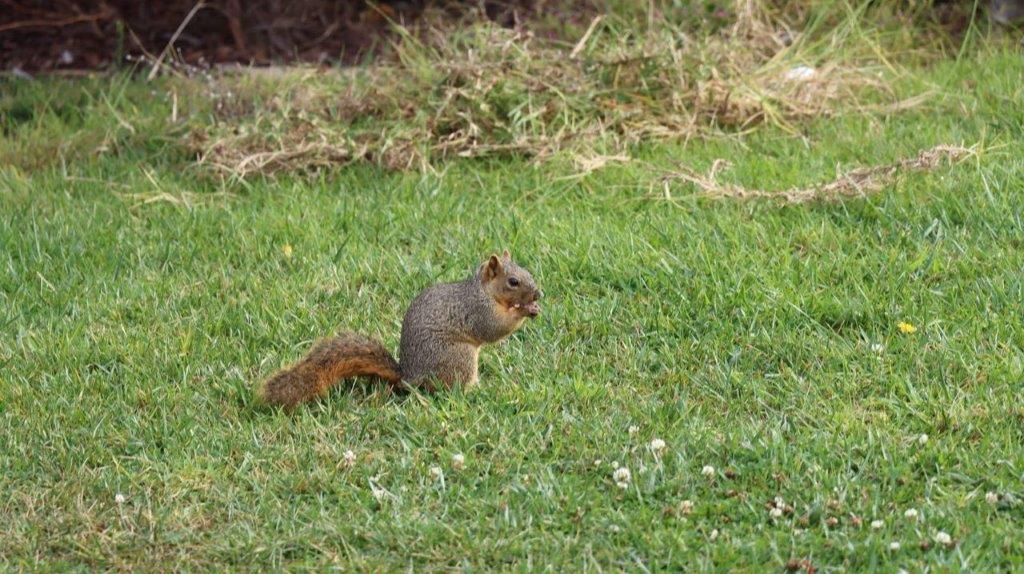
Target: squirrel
x,y
442,333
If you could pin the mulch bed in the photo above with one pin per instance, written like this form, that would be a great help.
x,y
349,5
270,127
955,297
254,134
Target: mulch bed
x,y
41,35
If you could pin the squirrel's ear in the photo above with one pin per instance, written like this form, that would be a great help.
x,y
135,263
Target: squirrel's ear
x,y
506,256
491,268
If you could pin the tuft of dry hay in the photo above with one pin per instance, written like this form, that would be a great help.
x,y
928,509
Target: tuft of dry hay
x,y
483,91
857,182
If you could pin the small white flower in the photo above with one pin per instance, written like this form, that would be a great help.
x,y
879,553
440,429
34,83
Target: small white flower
x,y
119,498
614,528
686,507
458,461
878,348
923,439
943,538
633,429
615,464
877,524
714,534
708,470
799,73
894,546
350,457
910,514
657,446
597,462
622,476
991,498
775,512
779,501
436,473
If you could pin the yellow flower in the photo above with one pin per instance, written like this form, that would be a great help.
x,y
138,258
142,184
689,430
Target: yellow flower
x,y
287,249
907,328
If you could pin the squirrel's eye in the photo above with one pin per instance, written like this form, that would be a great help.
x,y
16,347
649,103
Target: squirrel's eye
x,y
513,282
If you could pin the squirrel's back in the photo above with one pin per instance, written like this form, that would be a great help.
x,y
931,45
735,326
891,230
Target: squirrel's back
x,y
437,338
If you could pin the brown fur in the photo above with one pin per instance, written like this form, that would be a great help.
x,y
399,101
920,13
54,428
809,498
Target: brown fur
x,y
331,360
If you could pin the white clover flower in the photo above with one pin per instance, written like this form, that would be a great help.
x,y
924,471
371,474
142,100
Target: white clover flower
x,y
436,473
910,514
877,524
894,546
775,512
597,462
878,348
779,501
714,534
708,470
799,73
458,461
622,476
633,429
350,457
119,498
657,446
943,538
615,464
686,507
923,439
991,498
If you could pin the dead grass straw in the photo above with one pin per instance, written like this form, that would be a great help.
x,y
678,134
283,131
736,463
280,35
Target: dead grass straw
x,y
485,91
857,182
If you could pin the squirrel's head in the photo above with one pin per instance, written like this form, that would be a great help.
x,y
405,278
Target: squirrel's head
x,y
511,286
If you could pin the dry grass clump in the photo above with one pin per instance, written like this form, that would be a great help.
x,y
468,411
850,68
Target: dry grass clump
x,y
853,183
483,90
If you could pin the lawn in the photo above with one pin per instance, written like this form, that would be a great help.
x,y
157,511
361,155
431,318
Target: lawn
x,y
142,301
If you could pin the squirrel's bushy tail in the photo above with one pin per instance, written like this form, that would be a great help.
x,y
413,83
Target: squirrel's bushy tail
x,y
330,360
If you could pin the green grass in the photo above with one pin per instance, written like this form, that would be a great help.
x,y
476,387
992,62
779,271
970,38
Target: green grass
x,y
134,333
